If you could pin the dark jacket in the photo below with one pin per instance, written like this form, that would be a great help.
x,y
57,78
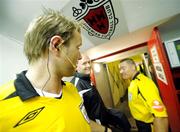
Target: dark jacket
x,y
95,106
92,100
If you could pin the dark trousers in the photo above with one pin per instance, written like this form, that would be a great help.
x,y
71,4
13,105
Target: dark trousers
x,y
143,127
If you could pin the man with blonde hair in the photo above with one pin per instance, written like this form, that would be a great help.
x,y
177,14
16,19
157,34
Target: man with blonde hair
x,y
38,100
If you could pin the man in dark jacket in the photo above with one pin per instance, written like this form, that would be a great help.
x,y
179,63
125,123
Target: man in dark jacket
x,y
93,102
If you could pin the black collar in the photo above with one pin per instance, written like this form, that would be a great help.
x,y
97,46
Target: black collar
x,y
135,76
24,88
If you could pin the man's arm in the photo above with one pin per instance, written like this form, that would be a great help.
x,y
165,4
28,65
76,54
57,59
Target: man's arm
x,y
160,124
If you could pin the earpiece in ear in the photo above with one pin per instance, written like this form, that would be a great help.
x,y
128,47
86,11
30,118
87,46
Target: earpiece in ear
x,y
56,46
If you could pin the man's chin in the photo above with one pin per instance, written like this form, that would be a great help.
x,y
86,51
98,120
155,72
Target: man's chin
x,y
87,73
124,77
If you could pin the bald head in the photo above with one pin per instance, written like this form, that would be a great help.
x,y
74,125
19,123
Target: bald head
x,y
84,65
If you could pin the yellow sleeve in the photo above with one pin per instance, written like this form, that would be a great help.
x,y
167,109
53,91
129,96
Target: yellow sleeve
x,y
153,99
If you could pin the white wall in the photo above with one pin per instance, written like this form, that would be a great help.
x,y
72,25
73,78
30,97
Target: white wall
x,y
12,59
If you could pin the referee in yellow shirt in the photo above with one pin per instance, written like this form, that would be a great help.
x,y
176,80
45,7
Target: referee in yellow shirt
x,y
37,100
144,100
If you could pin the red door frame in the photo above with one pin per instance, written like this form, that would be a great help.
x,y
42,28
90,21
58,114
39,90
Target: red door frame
x,y
167,88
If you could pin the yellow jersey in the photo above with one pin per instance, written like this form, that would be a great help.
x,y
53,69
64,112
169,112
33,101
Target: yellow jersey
x,y
22,109
144,100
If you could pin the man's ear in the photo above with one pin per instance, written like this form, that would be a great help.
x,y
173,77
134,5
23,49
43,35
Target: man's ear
x,y
55,42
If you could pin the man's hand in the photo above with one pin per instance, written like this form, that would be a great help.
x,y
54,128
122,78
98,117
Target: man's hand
x,y
95,127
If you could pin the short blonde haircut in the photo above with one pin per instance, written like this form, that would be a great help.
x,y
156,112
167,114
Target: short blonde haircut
x,y
42,29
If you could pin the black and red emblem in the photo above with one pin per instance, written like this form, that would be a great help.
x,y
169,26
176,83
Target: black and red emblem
x,y
98,17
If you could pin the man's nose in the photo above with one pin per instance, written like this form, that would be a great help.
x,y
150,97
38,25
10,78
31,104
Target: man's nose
x,y
88,64
80,57
121,71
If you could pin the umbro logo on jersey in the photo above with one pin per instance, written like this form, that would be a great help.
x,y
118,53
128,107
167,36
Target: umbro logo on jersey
x,y
29,116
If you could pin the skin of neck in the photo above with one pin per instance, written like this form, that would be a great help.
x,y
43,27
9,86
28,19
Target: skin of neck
x,y
40,78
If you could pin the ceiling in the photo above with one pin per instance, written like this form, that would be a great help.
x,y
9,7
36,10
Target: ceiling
x,y
15,16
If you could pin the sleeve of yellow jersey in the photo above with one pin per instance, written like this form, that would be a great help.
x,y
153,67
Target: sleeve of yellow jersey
x,y
153,99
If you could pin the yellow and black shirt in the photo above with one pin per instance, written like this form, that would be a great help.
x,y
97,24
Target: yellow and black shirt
x,y
144,100
22,109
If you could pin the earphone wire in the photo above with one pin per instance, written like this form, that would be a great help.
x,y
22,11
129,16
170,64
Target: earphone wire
x,y
49,75
68,59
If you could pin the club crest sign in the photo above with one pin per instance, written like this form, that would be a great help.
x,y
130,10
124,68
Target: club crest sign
x,y
97,16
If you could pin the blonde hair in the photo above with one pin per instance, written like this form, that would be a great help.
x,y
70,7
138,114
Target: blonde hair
x,y
41,29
